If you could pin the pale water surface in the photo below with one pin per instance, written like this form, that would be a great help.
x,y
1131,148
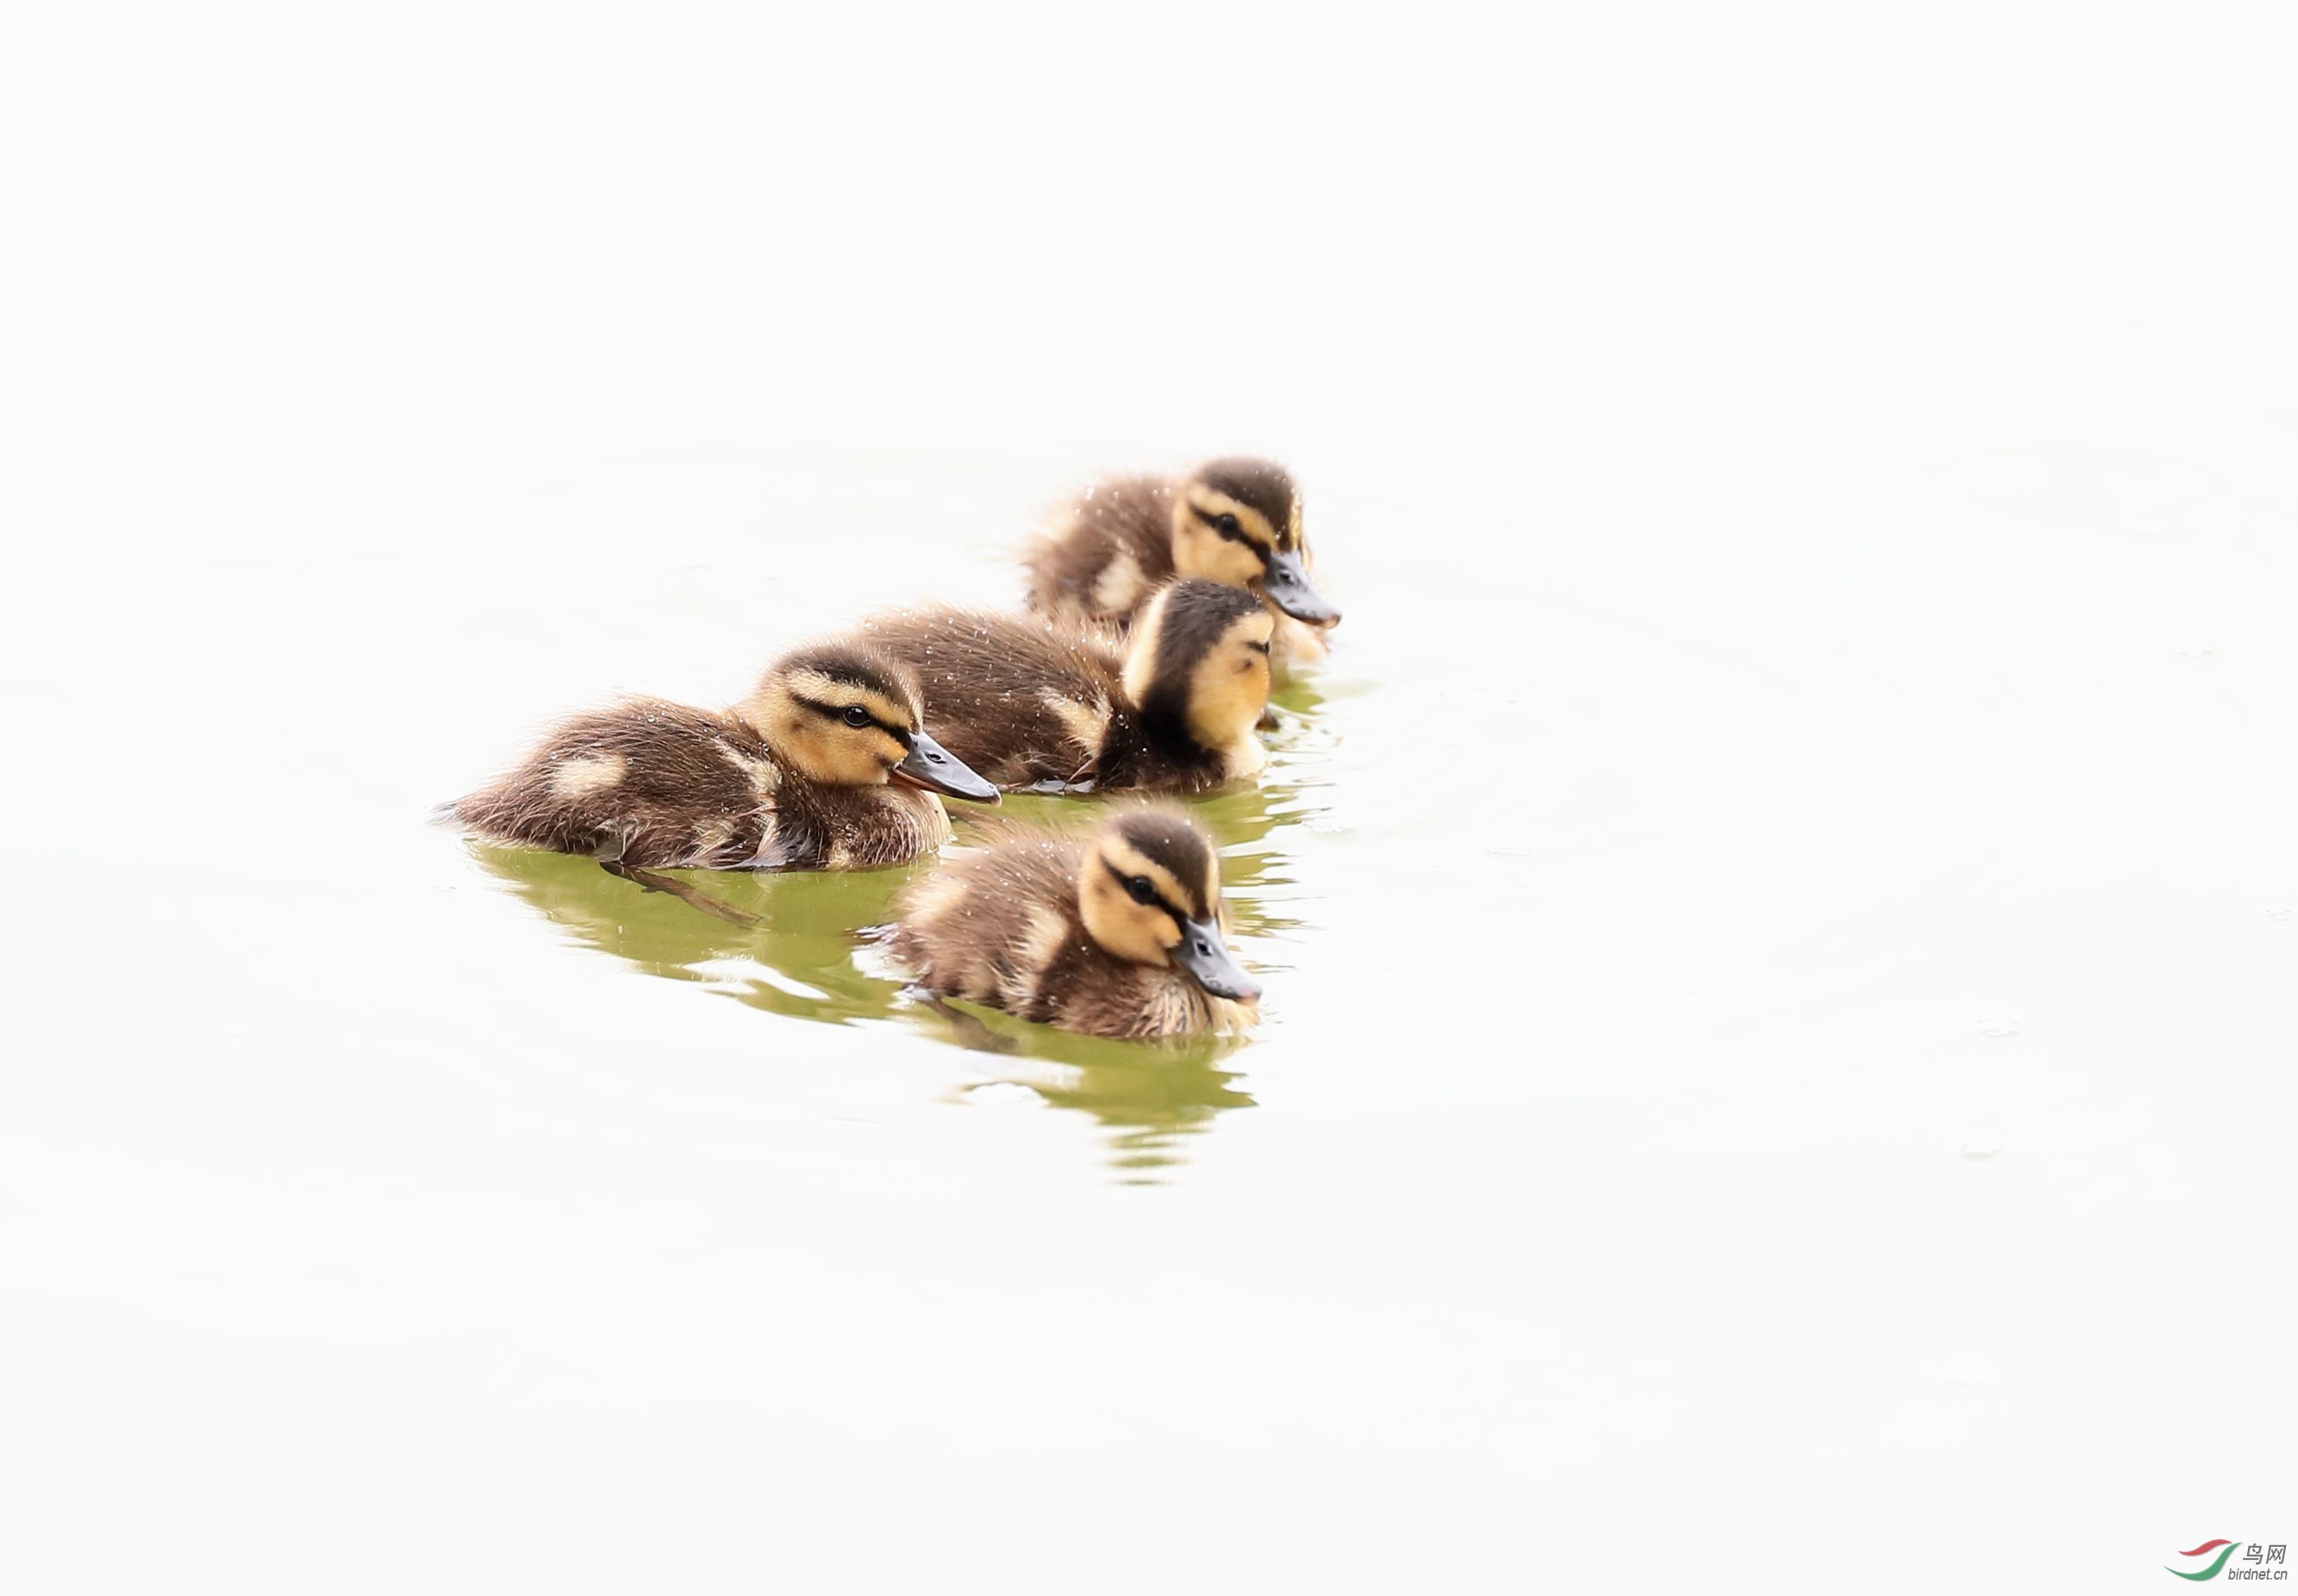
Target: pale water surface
x,y
1778,917
1696,1036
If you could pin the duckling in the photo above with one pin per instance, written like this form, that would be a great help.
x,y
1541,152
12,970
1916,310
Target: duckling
x,y
1031,701
1236,521
1117,934
826,766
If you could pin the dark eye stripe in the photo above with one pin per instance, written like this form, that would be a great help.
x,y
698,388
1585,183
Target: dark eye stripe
x,y
1120,877
1235,536
837,711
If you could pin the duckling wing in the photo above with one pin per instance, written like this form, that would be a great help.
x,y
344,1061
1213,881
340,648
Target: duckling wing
x,y
816,827
989,924
1112,550
1020,699
650,784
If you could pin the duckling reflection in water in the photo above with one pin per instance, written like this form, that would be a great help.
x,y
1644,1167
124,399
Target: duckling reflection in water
x,y
796,956
1151,1099
1029,701
1122,933
1232,521
786,944
827,766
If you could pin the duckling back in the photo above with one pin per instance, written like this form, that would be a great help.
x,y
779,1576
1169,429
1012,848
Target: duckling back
x,y
1113,549
653,784
1023,700
662,786
1028,701
988,925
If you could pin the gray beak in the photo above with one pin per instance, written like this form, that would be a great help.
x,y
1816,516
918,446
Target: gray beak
x,y
1206,957
936,769
1287,583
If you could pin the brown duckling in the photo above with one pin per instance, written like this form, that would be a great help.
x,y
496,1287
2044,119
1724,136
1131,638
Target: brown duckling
x,y
1120,933
1030,701
827,766
1234,521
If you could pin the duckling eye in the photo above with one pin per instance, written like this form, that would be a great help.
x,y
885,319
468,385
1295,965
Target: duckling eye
x,y
1225,525
1139,888
856,716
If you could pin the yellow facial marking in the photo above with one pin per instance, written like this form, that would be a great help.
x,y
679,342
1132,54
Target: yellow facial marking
x,y
836,695
1130,861
1249,522
1136,932
822,747
1229,690
1199,549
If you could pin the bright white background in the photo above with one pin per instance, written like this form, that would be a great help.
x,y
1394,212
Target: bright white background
x,y
1814,490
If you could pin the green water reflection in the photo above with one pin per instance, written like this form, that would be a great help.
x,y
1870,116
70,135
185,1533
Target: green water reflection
x,y
801,950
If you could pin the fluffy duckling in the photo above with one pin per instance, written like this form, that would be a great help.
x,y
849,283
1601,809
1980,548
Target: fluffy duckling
x,y
1117,934
1234,521
1030,701
827,766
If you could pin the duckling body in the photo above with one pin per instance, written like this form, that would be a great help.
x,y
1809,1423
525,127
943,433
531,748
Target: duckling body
x,y
1232,521
1028,700
1112,550
1115,935
786,780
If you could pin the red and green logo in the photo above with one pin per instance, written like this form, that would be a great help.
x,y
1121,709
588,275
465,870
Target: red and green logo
x,y
2223,1548
2259,1560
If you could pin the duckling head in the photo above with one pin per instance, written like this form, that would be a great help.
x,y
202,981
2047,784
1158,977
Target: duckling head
x,y
1238,521
849,717
1150,893
1199,661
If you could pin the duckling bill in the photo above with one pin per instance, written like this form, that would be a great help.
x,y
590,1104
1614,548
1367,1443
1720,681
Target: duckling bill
x,y
826,766
1119,934
1232,521
1028,702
